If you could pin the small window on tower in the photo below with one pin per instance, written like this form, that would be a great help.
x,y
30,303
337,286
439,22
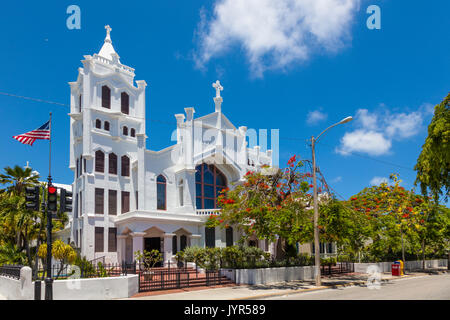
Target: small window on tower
x,y
79,103
106,97
106,126
98,124
125,131
132,132
125,103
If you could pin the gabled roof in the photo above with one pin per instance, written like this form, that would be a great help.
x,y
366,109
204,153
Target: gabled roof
x,y
211,120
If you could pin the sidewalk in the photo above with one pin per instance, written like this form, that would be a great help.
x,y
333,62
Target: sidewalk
x,y
243,292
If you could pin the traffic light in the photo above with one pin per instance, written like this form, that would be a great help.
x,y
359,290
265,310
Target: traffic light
x,y
52,199
32,198
65,201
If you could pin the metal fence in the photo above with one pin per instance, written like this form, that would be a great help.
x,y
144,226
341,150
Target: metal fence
x,y
88,271
340,267
178,277
10,271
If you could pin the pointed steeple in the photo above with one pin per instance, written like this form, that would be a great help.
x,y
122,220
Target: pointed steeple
x,y
107,51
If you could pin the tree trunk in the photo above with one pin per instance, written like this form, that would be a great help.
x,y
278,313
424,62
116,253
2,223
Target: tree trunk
x,y
403,251
423,254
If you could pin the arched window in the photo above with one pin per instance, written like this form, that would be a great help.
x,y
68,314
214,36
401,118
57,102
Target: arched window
x,y
79,103
161,193
125,103
112,163
106,126
125,161
125,130
132,132
209,181
98,124
99,161
106,97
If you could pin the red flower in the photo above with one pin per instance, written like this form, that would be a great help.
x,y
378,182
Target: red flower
x,y
311,186
291,160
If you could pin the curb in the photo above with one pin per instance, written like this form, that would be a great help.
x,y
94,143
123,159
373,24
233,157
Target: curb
x,y
336,286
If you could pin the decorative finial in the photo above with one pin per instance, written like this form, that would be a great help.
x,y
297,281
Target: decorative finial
x,y
216,85
108,30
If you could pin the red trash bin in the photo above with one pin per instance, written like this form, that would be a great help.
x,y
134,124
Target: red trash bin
x,y
395,269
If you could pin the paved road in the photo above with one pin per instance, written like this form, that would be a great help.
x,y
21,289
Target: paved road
x,y
428,287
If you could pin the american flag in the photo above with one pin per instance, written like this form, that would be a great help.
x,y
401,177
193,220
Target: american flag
x,y
43,132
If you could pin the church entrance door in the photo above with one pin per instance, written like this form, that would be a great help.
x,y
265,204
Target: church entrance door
x,y
153,243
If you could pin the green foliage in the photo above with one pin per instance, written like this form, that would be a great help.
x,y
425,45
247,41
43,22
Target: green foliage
x,y
84,264
399,224
11,254
328,261
433,164
148,259
269,206
239,257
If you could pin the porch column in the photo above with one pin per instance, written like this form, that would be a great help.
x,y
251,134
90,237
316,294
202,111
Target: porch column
x,y
272,248
261,245
138,242
168,239
121,247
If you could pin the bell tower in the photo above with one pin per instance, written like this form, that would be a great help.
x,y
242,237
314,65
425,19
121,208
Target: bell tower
x,y
107,146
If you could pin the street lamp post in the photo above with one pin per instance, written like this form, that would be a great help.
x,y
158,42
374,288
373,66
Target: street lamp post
x,y
316,207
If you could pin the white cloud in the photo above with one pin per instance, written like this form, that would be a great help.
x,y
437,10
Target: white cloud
x,y
274,34
315,117
337,179
376,181
403,125
370,142
376,130
366,119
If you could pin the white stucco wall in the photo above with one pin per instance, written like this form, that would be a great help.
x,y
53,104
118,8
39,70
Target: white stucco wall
x,y
22,289
409,265
95,288
269,275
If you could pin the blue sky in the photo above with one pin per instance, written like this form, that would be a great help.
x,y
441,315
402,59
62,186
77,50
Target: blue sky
x,y
298,66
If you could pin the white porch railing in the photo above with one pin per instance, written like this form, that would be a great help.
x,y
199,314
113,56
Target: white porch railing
x,y
203,212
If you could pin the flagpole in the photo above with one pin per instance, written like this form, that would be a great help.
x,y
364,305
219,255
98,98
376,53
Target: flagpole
x,y
49,280
50,151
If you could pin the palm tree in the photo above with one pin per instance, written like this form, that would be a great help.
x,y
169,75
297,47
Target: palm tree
x,y
17,224
11,254
18,178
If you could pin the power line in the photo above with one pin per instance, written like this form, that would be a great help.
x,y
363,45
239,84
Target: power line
x,y
170,123
33,99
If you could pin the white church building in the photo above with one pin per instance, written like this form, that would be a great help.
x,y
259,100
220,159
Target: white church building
x,y
129,198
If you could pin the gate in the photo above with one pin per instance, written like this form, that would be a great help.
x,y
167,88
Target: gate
x,y
340,267
177,278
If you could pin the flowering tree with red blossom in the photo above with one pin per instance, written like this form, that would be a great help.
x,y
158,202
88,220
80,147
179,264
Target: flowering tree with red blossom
x,y
271,206
395,215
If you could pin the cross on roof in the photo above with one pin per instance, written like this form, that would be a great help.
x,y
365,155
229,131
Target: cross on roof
x,y
108,30
216,85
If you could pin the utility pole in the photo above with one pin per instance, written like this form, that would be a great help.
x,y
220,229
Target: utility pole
x,y
316,206
316,219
